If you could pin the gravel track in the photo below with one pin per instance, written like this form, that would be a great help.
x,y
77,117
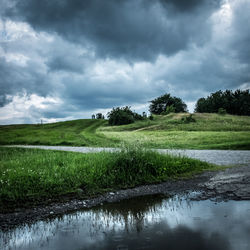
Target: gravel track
x,y
219,157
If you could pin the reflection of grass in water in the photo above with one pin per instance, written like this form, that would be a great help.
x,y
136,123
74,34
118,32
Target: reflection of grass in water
x,y
92,229
128,213
30,175
133,213
141,223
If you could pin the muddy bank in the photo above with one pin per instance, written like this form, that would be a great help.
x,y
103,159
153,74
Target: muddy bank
x,y
232,183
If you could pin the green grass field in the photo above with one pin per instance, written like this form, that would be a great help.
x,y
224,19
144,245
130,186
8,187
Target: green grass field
x,y
210,131
28,176
72,133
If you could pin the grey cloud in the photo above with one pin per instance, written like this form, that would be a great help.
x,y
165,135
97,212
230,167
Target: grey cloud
x,y
4,100
64,56
69,61
135,30
183,5
199,72
15,79
50,112
241,35
60,63
88,94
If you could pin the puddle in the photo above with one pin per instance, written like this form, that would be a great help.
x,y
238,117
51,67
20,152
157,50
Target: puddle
x,y
151,222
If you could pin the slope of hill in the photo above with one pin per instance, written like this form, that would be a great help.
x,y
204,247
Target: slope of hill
x,y
72,133
203,122
206,131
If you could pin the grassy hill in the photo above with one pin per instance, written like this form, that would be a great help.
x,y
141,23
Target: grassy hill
x,y
74,133
203,122
209,131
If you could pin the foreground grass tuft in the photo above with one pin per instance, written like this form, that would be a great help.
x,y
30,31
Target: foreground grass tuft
x,y
31,175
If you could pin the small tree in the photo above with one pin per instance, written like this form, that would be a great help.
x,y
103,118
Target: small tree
x,y
188,119
124,115
93,116
222,111
99,116
161,103
169,109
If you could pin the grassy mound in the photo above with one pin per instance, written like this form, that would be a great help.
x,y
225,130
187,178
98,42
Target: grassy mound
x,y
73,133
202,131
180,122
199,131
30,175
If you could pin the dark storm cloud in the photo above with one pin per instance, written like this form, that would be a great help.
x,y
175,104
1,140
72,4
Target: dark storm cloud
x,y
241,35
4,100
88,93
95,55
61,63
16,79
135,30
184,5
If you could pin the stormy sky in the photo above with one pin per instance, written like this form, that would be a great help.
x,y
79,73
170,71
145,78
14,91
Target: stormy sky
x,y
68,59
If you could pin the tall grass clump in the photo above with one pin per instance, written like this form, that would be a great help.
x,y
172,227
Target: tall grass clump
x,y
134,165
31,175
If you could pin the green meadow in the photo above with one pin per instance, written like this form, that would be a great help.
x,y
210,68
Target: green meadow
x,y
32,176
209,131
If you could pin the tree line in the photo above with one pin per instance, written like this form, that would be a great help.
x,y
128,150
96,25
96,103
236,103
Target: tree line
x,y
222,102
235,103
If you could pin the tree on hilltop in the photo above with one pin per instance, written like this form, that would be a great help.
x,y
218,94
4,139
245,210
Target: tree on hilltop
x,y
235,103
122,116
165,103
99,116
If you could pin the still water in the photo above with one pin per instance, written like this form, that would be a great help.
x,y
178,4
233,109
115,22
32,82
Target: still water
x,y
150,222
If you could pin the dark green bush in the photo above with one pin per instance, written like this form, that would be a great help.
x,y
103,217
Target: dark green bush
x,y
160,104
122,116
188,119
169,109
222,111
235,103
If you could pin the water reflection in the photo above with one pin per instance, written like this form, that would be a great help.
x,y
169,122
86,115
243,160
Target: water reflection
x,y
151,222
130,214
